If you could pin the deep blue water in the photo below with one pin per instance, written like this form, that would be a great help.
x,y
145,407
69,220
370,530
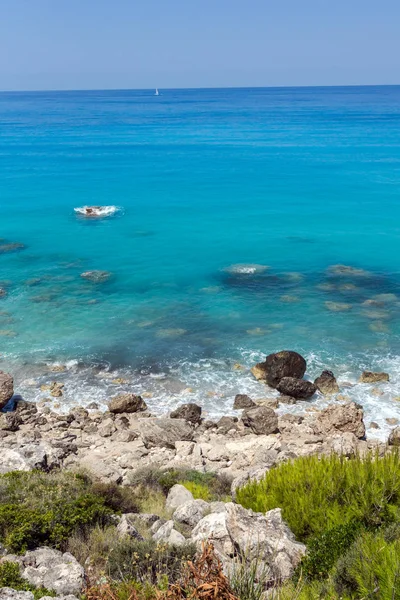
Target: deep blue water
x,y
296,179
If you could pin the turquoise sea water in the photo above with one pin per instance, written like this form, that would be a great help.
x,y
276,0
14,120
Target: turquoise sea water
x,y
295,179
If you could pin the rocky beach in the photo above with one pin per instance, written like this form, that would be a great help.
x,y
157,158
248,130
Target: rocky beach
x,y
114,447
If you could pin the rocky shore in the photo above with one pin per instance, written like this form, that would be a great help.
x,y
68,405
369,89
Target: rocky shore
x,y
113,446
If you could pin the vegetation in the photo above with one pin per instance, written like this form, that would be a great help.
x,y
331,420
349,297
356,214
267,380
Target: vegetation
x,y
10,577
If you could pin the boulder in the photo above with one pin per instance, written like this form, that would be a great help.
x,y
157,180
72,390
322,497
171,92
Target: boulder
x,y
327,384
189,412
99,469
6,388
243,401
10,421
7,593
394,437
51,569
262,420
12,460
163,432
371,377
225,424
126,403
177,496
191,512
296,388
264,538
279,365
166,533
213,528
341,417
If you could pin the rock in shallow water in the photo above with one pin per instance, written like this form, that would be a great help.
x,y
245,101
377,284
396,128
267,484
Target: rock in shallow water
x,y
296,388
326,383
371,377
96,276
278,365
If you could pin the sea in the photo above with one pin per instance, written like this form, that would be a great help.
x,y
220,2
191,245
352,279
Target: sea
x,y
247,221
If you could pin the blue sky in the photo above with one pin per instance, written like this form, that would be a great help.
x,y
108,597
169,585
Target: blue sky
x,y
84,44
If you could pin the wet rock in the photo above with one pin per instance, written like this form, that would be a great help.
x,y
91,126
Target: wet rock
x,y
283,399
178,495
191,512
392,421
51,569
296,388
371,377
127,403
243,401
341,417
394,437
96,276
261,419
6,388
189,412
164,432
279,365
326,383
374,425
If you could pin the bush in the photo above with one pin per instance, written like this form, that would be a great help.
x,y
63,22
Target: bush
x,y
45,509
317,494
10,577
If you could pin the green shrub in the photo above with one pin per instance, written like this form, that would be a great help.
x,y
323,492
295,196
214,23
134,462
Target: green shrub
x,y
45,509
199,490
370,569
10,577
324,550
317,494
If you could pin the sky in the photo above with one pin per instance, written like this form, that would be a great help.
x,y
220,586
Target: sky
x,y
121,44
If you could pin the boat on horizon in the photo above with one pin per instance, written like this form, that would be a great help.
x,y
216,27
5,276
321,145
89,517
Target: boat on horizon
x,y
157,92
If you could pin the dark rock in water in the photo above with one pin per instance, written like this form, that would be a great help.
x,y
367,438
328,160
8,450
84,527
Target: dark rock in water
x,y
127,403
11,247
326,383
190,412
243,401
371,377
6,388
296,388
261,420
96,276
279,365
3,292
394,437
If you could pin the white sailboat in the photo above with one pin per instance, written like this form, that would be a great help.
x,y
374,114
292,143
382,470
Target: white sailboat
x,y
157,92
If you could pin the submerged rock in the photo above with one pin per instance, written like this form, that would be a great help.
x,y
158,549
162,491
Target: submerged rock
x,y
326,383
11,247
338,306
278,365
127,403
246,269
296,388
371,377
347,271
96,276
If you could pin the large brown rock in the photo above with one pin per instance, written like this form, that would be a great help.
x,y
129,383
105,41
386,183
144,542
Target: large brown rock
x,y
341,417
262,420
278,365
243,401
126,403
190,412
371,377
296,388
394,437
327,384
6,388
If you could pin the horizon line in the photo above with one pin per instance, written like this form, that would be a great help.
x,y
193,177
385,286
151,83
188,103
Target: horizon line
x,y
257,87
